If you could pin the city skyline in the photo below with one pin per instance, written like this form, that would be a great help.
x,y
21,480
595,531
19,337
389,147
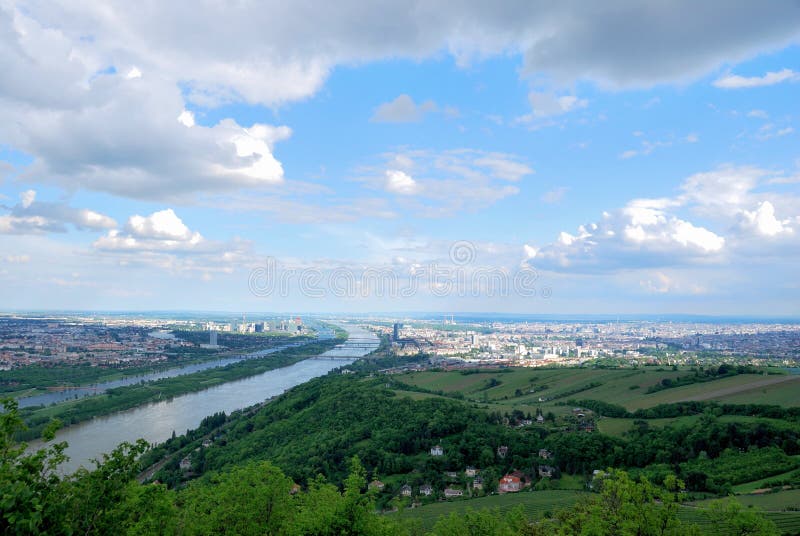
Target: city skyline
x,y
649,166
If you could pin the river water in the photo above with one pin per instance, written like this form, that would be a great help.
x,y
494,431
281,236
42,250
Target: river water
x,y
156,422
98,388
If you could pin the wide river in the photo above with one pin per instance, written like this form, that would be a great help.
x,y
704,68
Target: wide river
x,y
156,422
97,388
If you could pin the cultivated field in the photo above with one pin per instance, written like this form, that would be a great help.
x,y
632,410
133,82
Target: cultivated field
x,y
523,388
536,504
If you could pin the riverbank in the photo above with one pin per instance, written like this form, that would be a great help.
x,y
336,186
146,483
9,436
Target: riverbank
x,y
123,398
41,381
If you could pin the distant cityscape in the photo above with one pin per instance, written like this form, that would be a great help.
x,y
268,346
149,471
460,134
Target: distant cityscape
x,y
116,341
124,341
532,344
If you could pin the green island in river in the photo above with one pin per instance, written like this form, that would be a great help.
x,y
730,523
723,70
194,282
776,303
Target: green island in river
x,y
127,397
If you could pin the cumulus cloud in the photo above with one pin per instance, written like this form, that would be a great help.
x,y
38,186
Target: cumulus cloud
x,y
400,183
162,225
61,104
30,216
403,109
635,236
762,221
732,81
659,232
147,155
162,240
159,231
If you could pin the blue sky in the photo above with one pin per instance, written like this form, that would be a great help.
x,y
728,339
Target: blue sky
x,y
624,157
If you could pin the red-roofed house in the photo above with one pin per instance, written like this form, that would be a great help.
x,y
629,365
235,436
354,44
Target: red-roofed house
x,y
509,484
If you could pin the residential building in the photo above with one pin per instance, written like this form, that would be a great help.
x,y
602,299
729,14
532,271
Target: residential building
x,y
509,484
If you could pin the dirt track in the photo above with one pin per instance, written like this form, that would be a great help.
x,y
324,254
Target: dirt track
x,y
742,388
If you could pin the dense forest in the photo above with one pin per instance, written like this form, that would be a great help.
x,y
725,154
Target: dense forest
x,y
315,427
256,497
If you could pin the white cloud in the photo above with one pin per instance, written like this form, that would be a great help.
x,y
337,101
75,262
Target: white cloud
x,y
115,132
400,183
162,225
763,222
159,231
27,225
647,146
403,109
161,240
446,182
30,216
503,167
769,131
720,189
657,232
771,78
547,104
93,98
660,282
134,72
255,144
27,198
89,219
760,114
284,52
631,237
186,118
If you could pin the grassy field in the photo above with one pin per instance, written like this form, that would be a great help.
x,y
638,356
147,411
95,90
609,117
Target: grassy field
x,y
787,522
749,487
785,394
538,504
618,427
778,507
770,502
535,504
523,387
